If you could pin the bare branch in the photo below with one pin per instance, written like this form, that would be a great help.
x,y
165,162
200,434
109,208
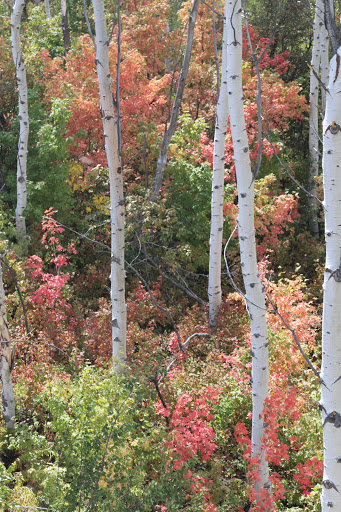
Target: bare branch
x,y
162,160
88,24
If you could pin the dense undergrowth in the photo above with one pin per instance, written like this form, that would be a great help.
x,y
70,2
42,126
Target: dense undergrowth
x,y
152,439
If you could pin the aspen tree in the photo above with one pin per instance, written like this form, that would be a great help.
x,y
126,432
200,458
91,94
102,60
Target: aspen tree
x,y
117,209
246,231
314,116
324,66
47,9
8,403
17,11
331,322
217,221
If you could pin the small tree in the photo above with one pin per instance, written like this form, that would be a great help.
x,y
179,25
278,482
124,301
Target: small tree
x,y
331,322
246,230
117,210
18,59
217,220
6,362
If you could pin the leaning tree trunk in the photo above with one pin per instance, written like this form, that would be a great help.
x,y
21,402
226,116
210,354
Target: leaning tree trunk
x,y
246,231
117,210
314,117
331,323
169,132
16,15
6,363
65,27
217,221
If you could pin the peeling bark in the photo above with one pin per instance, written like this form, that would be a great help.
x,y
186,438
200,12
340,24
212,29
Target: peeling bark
x,y
117,209
217,220
18,59
8,404
246,231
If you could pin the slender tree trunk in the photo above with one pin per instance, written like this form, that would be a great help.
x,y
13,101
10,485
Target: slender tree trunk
x,y
217,221
117,210
65,27
314,117
47,9
6,363
324,62
169,132
331,323
23,117
246,231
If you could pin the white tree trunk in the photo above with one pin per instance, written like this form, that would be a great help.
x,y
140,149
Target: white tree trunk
x,y
47,9
23,117
117,210
217,221
314,117
246,231
8,404
324,61
331,323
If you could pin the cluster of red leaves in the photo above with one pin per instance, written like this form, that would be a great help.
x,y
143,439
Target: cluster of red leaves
x,y
191,435
274,216
308,473
190,431
278,63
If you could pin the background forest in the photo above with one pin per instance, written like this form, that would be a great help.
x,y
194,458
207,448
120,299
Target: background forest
x,y
171,432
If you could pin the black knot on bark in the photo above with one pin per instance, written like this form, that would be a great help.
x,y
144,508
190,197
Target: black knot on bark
x,y
328,484
334,418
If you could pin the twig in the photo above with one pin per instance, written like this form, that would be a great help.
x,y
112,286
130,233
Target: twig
x,y
19,292
284,167
183,346
292,331
156,384
213,9
88,24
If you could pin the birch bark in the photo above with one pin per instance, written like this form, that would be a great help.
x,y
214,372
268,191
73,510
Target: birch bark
x,y
117,210
18,59
324,62
217,221
246,231
8,404
314,117
331,322
47,9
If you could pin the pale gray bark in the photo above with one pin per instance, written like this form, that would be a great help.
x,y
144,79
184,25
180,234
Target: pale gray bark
x,y
117,209
169,132
324,63
217,220
246,231
47,9
65,27
314,117
8,403
18,59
